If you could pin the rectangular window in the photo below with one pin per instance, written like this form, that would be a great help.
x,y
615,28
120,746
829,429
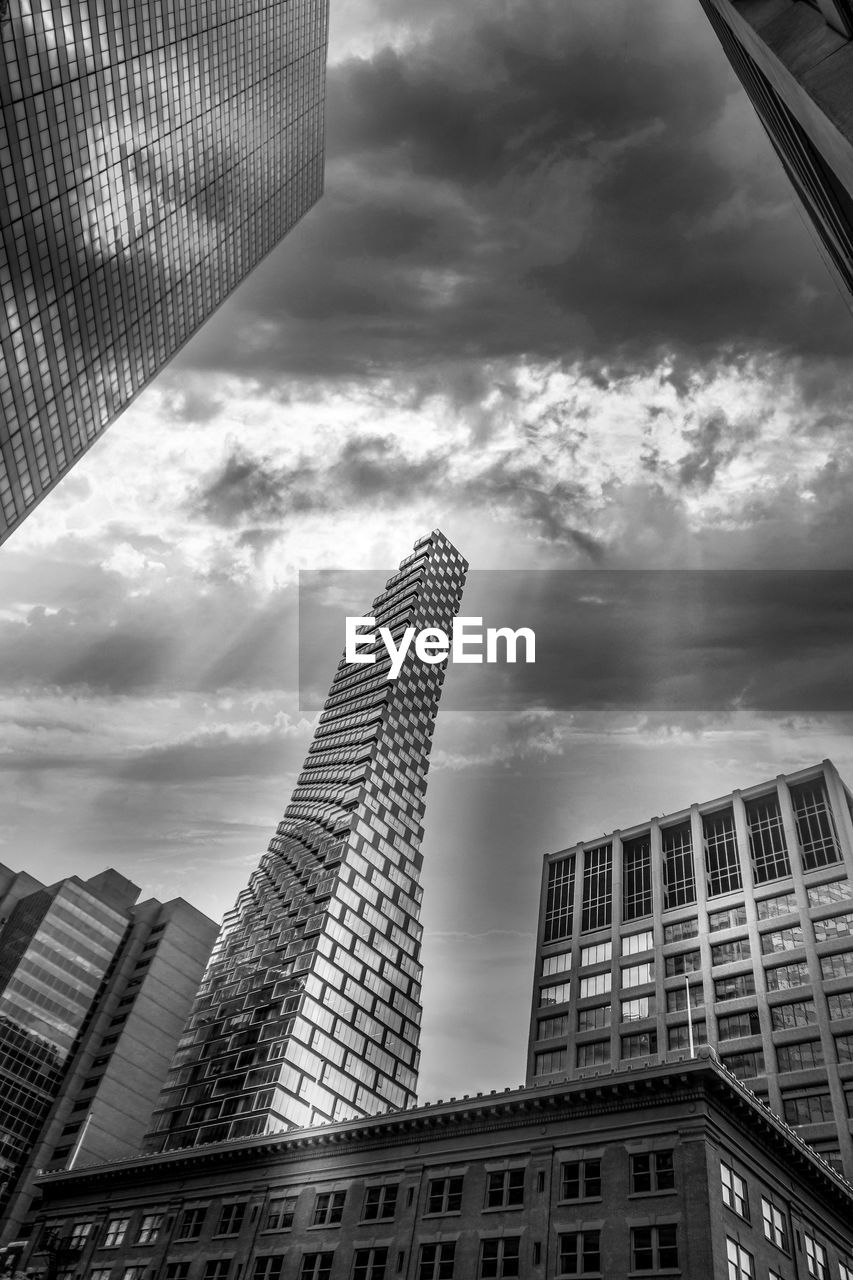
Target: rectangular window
x,y
679,885
785,976
800,1013
822,895
554,993
174,1271
369,1264
679,1037
579,1253
580,1180
741,1265
596,985
834,927
746,1065
731,952
505,1190
552,1028
597,953
733,988
775,1225
840,1006
560,963
735,1195
784,904
280,1213
231,1219
652,1171
436,1261
781,940
500,1258
633,943
636,1010
635,975
736,1025
268,1267
216,1269
641,1045
721,858
550,1060
191,1222
559,899
593,1054
636,879
807,1108
597,888
684,962
676,998
115,1232
844,1048
380,1202
328,1208
728,919
654,1248
595,1018
815,826
839,965
149,1227
799,1057
768,849
681,930
316,1266
445,1195
816,1261
80,1233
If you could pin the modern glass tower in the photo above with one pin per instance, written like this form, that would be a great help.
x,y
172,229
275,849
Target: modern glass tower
x,y
150,155
793,59
310,1007
731,924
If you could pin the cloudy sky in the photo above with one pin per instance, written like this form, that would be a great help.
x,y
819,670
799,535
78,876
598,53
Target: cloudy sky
x,y
557,301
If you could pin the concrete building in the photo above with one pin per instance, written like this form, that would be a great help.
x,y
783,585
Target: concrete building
x,y
673,1170
94,992
794,58
731,923
150,156
310,1007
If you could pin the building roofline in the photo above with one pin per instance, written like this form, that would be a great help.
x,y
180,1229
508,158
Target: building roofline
x,y
626,1089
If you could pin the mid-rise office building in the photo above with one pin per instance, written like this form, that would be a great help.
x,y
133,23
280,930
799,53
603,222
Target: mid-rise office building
x,y
729,923
673,1170
794,58
310,1008
94,992
150,156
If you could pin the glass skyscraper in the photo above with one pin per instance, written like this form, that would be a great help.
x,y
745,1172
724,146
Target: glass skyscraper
x,y
310,1007
731,924
151,153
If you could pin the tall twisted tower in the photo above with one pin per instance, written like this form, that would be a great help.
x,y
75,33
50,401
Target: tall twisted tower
x,y
310,1006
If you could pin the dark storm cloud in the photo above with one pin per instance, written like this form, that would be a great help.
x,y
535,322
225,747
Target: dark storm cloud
x,y
555,184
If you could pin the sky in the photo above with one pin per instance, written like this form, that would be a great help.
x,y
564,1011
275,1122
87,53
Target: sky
x,y
557,301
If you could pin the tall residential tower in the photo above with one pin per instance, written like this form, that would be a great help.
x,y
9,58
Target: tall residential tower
x,y
729,923
150,155
310,1008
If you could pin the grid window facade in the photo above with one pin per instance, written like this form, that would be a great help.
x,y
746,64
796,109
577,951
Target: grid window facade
x,y
745,1065
801,1056
785,976
823,895
782,904
840,926
839,965
559,899
735,1025
593,1018
679,1037
768,848
596,953
594,1053
683,962
815,826
636,879
734,987
812,1107
681,930
799,1013
640,1045
633,943
595,985
722,864
679,881
547,1061
597,888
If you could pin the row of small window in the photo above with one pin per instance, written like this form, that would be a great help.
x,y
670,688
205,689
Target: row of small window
x,y
777,1230
769,856
802,1056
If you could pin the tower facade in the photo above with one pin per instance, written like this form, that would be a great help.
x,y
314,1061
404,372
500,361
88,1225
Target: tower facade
x,y
150,156
793,58
731,924
310,1007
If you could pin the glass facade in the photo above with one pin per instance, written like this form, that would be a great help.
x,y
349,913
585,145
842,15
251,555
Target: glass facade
x,y
150,156
310,1007
56,947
